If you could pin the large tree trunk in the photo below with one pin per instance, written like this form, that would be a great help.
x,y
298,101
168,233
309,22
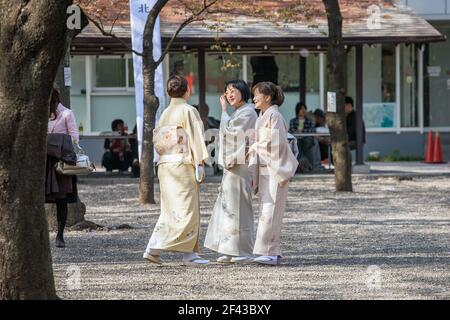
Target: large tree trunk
x,y
337,121
32,38
151,104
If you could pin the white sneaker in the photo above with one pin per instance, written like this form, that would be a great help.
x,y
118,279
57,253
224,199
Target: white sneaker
x,y
269,260
225,259
241,260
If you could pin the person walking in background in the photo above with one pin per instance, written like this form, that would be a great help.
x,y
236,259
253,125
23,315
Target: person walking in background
x,y
62,121
231,230
179,140
273,164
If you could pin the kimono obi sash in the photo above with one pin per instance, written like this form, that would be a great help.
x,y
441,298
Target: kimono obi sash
x,y
172,144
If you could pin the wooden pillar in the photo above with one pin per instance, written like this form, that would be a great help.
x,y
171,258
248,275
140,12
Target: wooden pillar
x,y
202,77
303,79
359,105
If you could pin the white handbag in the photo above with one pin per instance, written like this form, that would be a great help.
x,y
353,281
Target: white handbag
x,y
82,167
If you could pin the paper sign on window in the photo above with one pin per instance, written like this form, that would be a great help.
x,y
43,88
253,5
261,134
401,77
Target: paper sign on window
x,y
67,77
331,106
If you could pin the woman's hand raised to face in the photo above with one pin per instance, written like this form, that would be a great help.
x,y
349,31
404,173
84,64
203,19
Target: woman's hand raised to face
x,y
223,103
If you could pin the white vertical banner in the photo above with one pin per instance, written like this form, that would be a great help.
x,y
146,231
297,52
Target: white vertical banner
x,y
139,10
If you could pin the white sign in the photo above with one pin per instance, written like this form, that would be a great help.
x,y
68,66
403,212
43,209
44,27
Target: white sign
x,y
434,71
331,98
67,77
139,10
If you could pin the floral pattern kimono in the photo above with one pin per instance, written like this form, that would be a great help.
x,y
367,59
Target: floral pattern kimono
x,y
273,165
183,147
231,228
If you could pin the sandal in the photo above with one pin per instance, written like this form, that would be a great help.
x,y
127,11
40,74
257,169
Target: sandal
x,y
241,260
153,259
225,259
269,260
195,261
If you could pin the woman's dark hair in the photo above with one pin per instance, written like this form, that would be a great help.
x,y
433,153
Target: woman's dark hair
x,y
241,86
116,123
299,106
55,100
272,90
177,86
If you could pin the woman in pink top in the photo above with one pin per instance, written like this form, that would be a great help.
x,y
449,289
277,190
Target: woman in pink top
x,y
62,120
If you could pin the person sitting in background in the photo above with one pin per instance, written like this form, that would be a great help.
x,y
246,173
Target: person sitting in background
x,y
118,155
302,124
321,124
351,124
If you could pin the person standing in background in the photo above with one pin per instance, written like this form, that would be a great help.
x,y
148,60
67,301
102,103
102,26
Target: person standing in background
x,y
62,120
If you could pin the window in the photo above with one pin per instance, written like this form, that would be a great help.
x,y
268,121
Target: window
x,y
379,86
186,65
114,73
409,115
437,81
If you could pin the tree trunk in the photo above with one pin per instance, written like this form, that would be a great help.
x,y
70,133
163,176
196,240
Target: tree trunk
x,y
32,37
337,121
151,104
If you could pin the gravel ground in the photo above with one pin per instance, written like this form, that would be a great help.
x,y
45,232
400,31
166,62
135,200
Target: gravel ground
x,y
390,239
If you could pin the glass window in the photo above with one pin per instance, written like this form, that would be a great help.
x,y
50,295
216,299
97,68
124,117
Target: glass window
x,y
186,65
408,87
220,68
130,73
288,71
379,86
112,72
437,81
313,80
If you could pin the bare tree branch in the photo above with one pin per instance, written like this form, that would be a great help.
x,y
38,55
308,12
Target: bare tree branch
x,y
112,35
194,17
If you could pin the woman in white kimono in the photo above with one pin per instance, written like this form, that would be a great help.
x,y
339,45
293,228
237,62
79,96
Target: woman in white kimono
x,y
179,140
231,228
273,164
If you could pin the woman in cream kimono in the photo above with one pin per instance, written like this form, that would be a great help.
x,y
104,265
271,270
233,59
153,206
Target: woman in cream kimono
x,y
179,140
231,229
274,165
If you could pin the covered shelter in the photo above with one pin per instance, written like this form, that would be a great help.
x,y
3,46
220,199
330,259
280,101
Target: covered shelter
x,y
243,38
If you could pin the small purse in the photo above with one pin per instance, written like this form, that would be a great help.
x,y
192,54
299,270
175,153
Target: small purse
x,y
82,167
199,173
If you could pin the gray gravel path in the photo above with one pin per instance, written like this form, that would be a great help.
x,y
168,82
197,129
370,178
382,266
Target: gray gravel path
x,y
390,239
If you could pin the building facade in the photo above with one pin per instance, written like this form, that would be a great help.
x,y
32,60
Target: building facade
x,y
406,85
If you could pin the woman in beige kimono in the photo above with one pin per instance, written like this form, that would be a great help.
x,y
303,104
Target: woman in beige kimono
x,y
179,140
231,228
273,164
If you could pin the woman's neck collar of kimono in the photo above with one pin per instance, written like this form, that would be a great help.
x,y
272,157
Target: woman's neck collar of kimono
x,y
269,107
240,105
177,101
